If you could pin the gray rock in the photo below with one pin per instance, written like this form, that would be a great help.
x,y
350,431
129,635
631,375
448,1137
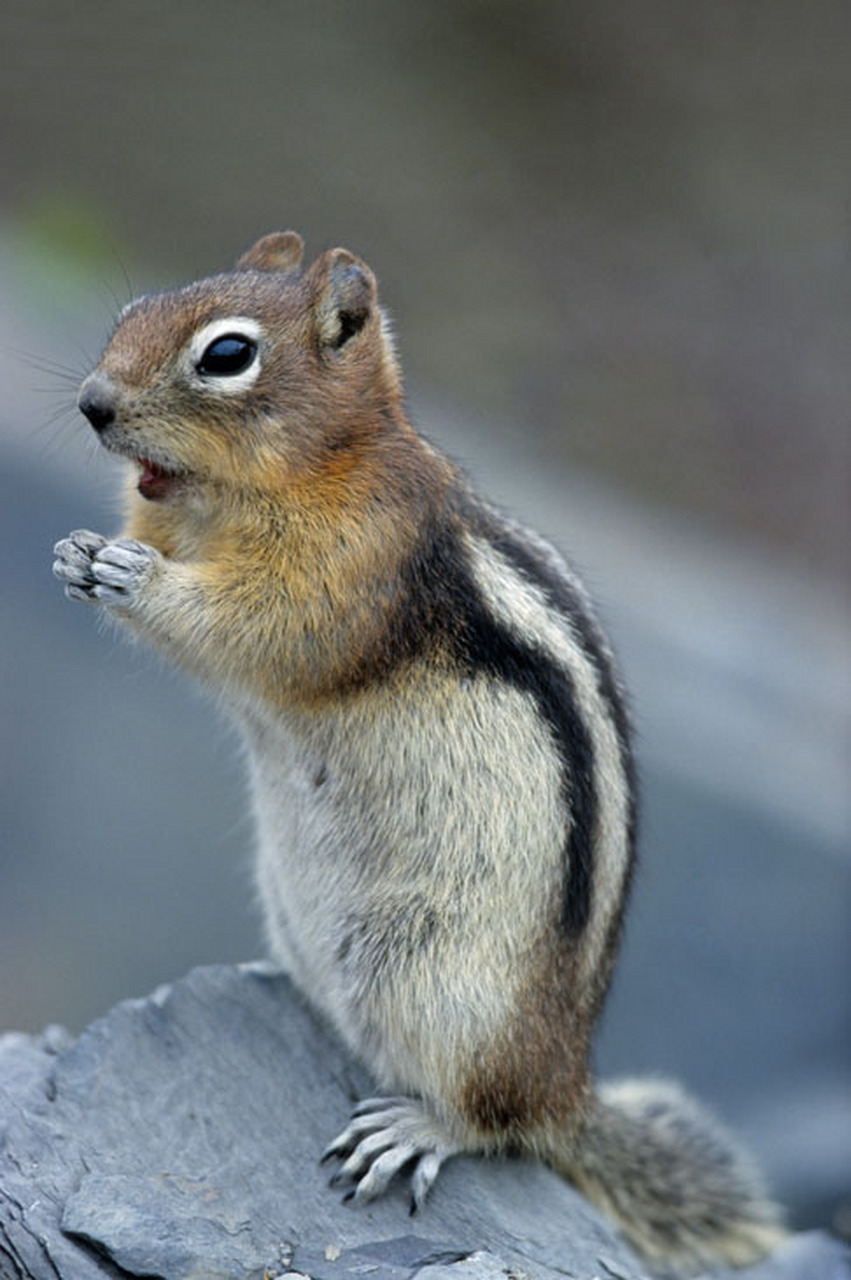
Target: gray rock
x,y
179,1136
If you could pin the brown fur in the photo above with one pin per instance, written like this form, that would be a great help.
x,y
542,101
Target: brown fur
x,y
533,1077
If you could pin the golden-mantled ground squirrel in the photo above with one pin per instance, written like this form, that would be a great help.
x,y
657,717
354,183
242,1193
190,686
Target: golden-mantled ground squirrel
x,y
437,739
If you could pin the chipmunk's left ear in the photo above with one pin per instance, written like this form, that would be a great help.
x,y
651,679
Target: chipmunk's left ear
x,y
344,297
280,251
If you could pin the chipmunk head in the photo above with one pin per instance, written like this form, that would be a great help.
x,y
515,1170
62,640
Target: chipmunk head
x,y
249,377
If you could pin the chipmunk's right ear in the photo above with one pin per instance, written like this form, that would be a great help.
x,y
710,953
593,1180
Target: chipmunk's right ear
x,y
344,297
280,251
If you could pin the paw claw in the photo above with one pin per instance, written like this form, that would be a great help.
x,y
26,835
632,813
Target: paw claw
x,y
367,1105
425,1175
109,595
339,1148
384,1135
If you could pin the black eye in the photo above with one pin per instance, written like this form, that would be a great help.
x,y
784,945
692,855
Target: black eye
x,y
225,356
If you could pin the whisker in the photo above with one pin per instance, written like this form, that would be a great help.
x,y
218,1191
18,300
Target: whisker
x,y
70,409
43,358
56,431
63,411
131,292
45,364
116,301
88,362
110,245
55,373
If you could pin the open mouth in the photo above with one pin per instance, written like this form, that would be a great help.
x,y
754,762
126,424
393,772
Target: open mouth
x,y
156,482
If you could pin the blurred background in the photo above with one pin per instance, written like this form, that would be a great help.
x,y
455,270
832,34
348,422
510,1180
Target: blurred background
x,y
616,242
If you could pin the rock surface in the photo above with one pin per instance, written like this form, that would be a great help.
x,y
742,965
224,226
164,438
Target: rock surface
x,y
178,1137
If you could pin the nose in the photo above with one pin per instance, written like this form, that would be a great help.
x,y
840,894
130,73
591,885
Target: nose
x,y
97,401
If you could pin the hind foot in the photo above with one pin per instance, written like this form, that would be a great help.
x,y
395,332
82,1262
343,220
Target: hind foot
x,y
382,1137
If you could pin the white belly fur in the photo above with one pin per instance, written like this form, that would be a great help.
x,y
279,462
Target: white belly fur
x,y
382,829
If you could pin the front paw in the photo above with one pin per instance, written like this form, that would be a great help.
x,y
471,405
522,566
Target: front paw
x,y
112,573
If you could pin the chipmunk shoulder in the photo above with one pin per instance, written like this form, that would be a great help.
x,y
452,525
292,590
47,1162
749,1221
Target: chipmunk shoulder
x,y
438,743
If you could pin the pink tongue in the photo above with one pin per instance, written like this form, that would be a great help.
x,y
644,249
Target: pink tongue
x,y
154,482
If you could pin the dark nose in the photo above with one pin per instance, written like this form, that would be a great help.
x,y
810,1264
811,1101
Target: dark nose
x,y
97,402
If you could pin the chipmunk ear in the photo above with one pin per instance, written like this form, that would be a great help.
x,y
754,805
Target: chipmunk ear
x,y
345,297
280,251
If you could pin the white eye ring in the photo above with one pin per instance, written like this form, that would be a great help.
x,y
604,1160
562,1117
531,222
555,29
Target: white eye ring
x,y
228,326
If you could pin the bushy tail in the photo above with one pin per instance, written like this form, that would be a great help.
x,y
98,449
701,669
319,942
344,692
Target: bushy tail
x,y
674,1181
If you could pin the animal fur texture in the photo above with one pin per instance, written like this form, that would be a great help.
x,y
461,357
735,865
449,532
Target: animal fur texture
x,y
438,745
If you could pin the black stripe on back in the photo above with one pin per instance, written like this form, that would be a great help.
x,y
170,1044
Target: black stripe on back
x,y
564,597
489,646
441,601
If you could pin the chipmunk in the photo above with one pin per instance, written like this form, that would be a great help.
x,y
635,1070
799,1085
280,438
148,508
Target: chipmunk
x,y
437,736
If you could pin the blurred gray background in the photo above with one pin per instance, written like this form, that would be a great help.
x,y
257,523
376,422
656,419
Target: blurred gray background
x,y
615,240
